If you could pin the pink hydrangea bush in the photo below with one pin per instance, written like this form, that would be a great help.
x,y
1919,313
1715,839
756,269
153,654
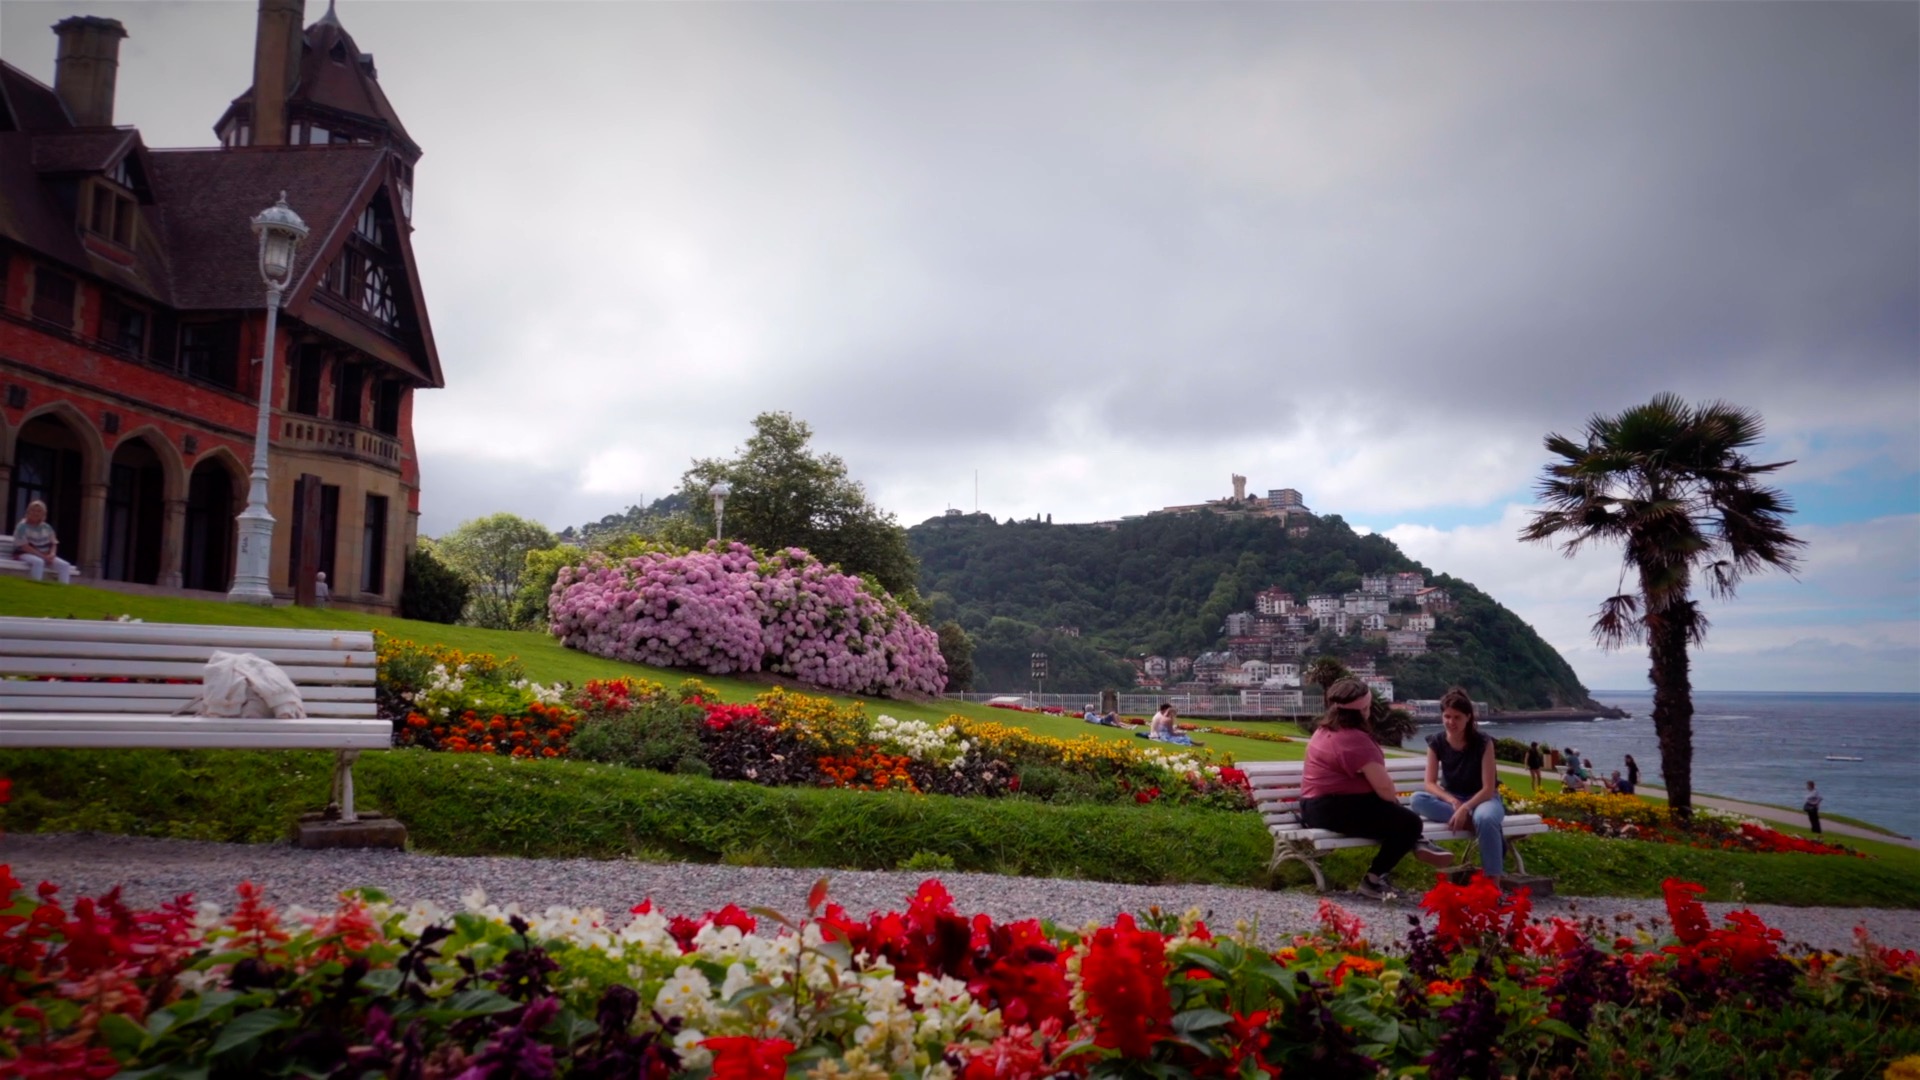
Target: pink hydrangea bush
x,y
694,610
722,611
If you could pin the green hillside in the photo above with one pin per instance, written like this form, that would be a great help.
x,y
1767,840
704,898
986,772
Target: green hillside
x,y
1166,584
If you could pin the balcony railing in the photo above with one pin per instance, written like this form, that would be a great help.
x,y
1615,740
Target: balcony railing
x,y
347,440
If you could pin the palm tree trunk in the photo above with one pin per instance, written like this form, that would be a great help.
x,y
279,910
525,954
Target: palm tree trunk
x,y
1673,708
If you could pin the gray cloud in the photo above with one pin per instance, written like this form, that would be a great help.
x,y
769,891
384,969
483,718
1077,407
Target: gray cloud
x,y
1107,254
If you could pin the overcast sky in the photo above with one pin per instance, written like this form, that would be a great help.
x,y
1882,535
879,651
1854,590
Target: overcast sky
x,y
1104,256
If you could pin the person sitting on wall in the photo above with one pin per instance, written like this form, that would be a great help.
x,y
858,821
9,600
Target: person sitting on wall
x,y
36,544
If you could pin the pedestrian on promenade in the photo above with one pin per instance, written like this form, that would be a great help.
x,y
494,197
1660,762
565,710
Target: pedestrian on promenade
x,y
1535,761
1633,774
1345,787
1463,782
1812,807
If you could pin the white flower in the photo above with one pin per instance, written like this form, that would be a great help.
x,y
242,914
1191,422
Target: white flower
x,y
687,1043
684,995
738,979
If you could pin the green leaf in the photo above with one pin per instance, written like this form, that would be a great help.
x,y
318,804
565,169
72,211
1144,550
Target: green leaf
x,y
382,981
776,916
751,993
476,1003
121,1035
1559,1028
1196,1020
248,1027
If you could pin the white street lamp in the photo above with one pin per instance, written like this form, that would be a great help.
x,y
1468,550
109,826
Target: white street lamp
x,y
280,231
720,490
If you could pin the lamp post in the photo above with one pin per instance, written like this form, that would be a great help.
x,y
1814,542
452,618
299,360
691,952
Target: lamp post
x,y
720,490
280,231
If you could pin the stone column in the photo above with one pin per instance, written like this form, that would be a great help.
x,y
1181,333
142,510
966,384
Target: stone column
x,y
173,541
93,529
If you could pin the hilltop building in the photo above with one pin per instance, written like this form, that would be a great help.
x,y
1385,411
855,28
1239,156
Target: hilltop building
x,y
132,314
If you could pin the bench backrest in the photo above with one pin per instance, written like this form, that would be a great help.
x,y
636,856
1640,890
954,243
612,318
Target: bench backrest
x,y
1276,785
334,669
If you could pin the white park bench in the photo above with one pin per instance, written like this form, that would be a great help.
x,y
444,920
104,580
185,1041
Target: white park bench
x,y
1276,792
54,693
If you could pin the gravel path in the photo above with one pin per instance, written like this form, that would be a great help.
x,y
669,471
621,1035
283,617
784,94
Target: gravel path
x,y
153,871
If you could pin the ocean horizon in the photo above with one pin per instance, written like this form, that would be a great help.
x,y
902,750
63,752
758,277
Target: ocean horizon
x,y
1763,746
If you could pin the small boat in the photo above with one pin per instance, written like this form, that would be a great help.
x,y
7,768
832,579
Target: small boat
x,y
1843,757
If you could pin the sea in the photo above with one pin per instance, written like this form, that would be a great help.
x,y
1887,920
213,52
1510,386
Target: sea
x,y
1763,747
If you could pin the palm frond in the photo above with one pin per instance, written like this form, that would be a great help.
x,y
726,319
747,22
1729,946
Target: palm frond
x,y
1619,622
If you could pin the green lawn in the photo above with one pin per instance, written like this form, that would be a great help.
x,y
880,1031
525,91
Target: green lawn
x,y
459,804
543,657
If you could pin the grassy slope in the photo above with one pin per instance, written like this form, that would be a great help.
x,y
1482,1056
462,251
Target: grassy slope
x,y
543,657
462,805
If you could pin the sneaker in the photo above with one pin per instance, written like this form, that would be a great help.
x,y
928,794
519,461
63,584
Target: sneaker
x,y
1433,854
1375,887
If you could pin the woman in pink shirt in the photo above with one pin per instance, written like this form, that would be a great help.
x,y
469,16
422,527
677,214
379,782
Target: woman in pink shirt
x,y
1345,788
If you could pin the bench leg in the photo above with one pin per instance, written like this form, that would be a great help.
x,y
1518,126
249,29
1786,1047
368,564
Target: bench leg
x,y
1513,852
1285,852
343,784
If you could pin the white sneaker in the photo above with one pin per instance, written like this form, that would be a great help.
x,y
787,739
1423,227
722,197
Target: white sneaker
x,y
1433,854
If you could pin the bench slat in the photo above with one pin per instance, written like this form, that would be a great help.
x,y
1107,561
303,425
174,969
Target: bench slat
x,y
225,637
122,650
12,689
113,721
162,706
162,669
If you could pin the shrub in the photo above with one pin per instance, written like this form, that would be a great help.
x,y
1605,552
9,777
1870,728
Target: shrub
x,y
1513,750
651,734
723,610
432,591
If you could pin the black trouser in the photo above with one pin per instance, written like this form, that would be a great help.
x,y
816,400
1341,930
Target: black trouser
x,y
1396,828
1813,816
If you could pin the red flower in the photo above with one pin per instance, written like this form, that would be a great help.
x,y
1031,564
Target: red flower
x,y
1124,974
742,1057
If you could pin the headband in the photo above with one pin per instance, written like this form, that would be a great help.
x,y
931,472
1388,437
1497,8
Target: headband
x,y
1362,704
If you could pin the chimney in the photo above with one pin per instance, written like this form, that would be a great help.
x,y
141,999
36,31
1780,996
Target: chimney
x,y
276,67
85,67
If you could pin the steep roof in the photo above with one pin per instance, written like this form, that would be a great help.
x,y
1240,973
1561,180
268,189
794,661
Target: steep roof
x,y
337,78
208,197
81,151
26,104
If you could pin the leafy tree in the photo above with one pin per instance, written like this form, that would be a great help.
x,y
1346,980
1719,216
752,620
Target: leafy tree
x,y
432,591
490,553
956,648
1671,484
785,495
537,575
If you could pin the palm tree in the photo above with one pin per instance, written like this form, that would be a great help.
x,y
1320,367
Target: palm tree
x,y
1670,483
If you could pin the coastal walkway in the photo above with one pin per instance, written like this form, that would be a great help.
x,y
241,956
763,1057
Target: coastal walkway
x,y
1757,811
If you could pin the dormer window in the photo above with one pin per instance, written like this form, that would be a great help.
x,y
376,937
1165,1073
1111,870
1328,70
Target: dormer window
x,y
122,173
110,211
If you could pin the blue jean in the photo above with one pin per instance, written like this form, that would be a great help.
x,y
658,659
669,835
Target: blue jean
x,y
1488,818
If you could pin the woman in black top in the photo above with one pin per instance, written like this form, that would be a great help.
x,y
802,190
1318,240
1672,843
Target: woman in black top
x,y
1633,771
1535,760
1463,783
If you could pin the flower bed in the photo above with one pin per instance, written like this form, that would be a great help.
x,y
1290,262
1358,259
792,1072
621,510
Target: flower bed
x,y
1625,817
728,610
468,703
375,988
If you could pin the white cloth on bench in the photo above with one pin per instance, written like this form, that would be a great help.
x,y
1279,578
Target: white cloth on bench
x,y
244,685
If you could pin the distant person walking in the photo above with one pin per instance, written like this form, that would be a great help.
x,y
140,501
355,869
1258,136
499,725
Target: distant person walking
x,y
1633,774
1812,807
1463,782
1345,787
1535,762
